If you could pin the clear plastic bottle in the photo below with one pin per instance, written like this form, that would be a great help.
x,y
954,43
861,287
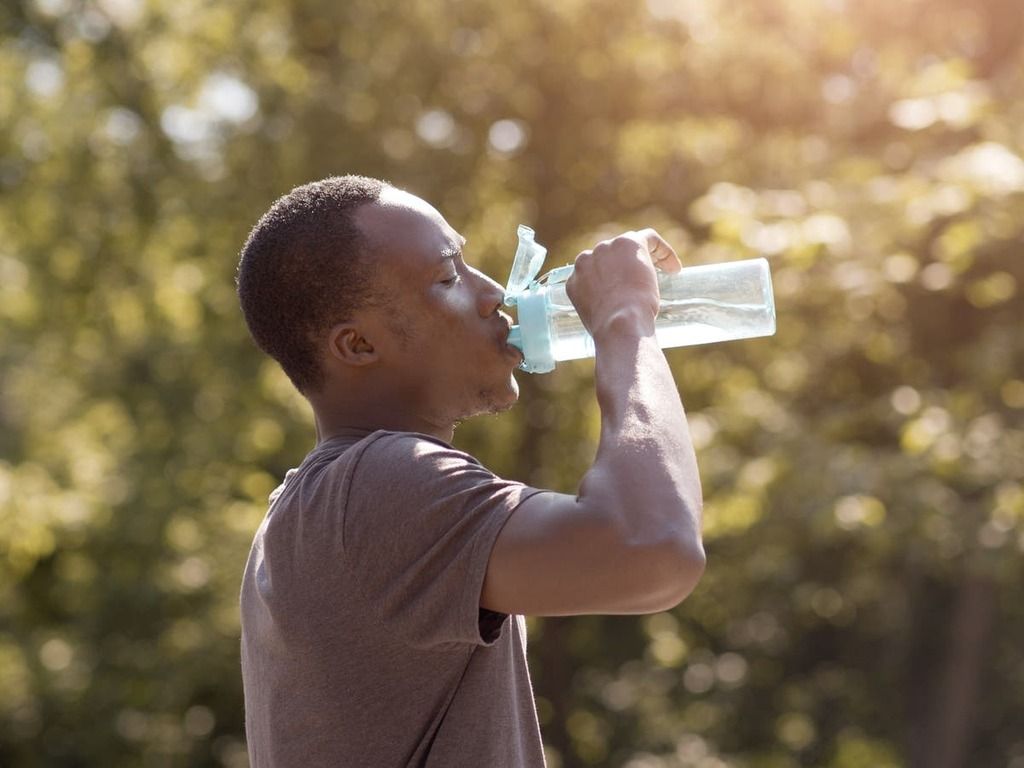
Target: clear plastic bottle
x,y
699,305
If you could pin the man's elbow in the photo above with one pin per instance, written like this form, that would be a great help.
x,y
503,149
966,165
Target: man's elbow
x,y
666,573
689,569
663,564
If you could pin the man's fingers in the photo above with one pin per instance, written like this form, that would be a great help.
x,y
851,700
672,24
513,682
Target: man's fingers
x,y
662,254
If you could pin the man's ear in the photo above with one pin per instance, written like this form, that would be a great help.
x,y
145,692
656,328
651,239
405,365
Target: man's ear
x,y
347,343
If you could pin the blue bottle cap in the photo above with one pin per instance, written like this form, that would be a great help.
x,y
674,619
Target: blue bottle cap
x,y
532,335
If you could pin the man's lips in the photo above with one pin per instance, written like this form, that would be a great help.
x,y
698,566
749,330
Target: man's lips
x,y
515,351
510,348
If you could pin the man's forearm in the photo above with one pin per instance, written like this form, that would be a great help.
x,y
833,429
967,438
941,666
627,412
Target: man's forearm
x,y
645,470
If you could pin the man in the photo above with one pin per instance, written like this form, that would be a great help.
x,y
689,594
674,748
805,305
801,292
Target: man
x,y
383,599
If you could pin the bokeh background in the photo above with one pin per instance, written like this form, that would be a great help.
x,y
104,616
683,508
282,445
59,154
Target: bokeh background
x,y
864,468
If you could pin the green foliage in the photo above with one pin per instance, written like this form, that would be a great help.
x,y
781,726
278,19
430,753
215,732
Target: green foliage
x,y
863,469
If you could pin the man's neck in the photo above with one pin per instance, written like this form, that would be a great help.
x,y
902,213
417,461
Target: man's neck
x,y
334,423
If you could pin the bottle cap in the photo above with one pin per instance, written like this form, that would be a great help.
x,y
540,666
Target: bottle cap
x,y
532,335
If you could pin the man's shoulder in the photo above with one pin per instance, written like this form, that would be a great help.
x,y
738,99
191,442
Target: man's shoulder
x,y
415,448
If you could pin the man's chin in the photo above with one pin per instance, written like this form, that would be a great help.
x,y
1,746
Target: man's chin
x,y
513,393
498,401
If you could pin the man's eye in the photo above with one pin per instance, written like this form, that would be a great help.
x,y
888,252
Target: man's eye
x,y
450,280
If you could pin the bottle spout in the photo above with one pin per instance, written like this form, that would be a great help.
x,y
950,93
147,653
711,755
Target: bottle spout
x,y
525,266
515,337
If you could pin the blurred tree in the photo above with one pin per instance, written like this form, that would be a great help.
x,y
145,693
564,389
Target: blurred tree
x,y
864,468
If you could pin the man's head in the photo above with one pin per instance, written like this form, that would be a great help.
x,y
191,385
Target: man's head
x,y
360,292
305,267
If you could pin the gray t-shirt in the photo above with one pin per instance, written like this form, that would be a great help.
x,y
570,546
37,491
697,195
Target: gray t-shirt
x,y
363,640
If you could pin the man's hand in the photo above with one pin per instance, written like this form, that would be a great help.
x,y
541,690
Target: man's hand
x,y
614,286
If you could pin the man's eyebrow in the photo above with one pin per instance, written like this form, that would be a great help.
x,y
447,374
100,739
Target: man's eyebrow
x,y
451,252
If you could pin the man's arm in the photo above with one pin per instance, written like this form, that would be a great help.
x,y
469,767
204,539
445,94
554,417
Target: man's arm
x,y
630,541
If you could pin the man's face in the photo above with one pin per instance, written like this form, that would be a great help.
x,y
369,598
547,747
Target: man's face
x,y
445,339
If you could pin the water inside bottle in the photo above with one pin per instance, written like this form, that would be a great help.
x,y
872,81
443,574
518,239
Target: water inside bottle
x,y
680,322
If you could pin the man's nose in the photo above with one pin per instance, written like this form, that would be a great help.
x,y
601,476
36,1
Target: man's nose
x,y
489,298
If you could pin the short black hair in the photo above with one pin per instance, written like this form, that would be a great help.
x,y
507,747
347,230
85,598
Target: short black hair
x,y
305,267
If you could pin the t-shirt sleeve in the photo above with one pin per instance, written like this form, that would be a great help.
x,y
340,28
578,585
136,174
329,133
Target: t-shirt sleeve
x,y
420,521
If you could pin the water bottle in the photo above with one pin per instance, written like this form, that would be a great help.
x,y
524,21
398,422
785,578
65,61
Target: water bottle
x,y
699,305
